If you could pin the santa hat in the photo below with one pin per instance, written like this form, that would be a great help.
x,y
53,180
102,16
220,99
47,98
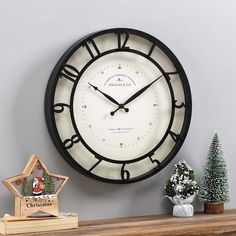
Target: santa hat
x,y
38,178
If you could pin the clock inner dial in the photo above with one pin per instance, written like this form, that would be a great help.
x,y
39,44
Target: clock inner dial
x,y
109,124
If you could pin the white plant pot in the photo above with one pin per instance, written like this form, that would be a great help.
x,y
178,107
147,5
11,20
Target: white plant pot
x,y
182,207
185,210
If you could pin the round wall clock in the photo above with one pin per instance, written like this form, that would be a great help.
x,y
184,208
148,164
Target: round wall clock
x,y
118,105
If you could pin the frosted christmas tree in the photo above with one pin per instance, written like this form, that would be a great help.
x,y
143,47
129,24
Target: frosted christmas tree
x,y
181,189
214,189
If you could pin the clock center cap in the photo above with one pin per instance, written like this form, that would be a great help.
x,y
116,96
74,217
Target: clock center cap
x,y
121,106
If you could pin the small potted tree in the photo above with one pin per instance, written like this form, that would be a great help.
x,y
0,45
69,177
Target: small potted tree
x,y
214,189
181,189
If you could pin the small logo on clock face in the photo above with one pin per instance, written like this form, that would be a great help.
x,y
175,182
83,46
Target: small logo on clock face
x,y
119,84
119,80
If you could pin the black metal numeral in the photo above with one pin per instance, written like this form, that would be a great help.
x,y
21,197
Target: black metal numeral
x,y
154,161
69,72
179,106
125,175
174,136
119,37
60,107
68,143
94,46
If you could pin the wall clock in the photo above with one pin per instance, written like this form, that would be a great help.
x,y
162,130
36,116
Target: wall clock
x,y
118,105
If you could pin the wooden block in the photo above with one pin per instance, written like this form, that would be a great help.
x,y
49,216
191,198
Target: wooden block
x,y
2,229
19,225
33,204
17,206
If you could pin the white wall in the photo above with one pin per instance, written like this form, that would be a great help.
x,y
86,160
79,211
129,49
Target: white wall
x,y
34,34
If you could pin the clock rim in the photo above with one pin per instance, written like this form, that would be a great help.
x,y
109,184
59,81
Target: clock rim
x,y
50,92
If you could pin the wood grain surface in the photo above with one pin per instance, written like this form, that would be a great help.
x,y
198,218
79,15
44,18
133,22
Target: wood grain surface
x,y
12,225
199,224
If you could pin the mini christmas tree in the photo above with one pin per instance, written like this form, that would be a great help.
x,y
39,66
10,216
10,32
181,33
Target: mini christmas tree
x,y
214,186
49,184
46,182
181,189
52,185
25,187
182,183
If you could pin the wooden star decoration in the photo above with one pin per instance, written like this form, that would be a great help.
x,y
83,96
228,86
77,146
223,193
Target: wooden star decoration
x,y
35,189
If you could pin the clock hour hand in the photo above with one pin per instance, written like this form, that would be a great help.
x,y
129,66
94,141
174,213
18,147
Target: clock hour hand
x,y
120,106
105,95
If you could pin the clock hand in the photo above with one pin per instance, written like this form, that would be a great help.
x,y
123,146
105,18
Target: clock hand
x,y
138,93
142,90
120,106
105,95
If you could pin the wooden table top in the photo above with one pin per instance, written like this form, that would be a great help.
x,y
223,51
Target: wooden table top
x,y
199,224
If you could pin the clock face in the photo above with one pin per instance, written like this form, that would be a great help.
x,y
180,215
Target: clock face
x,y
118,105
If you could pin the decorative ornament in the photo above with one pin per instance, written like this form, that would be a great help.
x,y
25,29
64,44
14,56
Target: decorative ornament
x,y
214,189
35,189
19,182
181,189
39,166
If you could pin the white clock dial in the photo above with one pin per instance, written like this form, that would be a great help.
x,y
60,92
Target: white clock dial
x,y
126,134
118,105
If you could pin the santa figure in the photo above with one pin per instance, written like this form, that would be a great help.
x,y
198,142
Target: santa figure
x,y
38,185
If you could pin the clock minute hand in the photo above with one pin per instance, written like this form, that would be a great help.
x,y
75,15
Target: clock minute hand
x,y
142,90
134,96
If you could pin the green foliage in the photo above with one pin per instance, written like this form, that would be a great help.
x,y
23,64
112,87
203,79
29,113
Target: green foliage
x,y
182,183
52,185
25,187
49,184
214,187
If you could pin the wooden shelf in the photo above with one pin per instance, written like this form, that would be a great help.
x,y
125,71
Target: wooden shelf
x,y
199,224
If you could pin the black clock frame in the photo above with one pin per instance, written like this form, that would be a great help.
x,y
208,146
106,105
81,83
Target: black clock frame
x,y
61,68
